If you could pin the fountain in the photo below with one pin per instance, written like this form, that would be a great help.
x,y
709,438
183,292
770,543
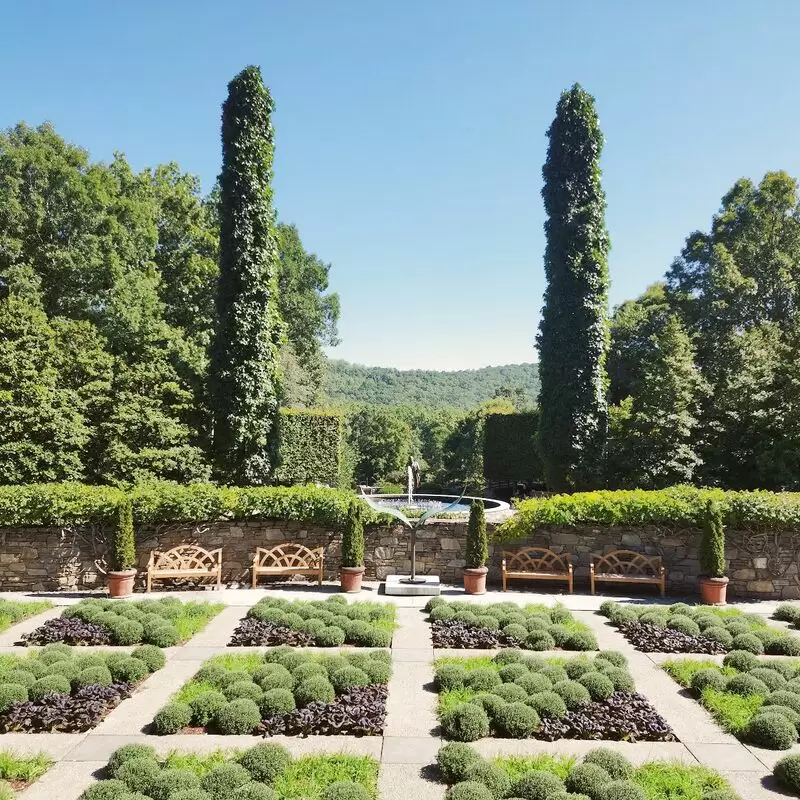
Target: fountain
x,y
432,506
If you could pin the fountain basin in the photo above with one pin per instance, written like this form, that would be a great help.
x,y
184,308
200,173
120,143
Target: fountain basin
x,y
422,503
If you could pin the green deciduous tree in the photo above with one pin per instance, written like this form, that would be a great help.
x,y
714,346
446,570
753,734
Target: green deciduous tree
x,y
244,380
573,335
42,432
380,440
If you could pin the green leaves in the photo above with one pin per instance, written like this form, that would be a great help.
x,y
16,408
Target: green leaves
x,y
477,548
573,334
243,377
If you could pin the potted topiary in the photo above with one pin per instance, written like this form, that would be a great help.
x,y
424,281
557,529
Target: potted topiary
x,y
477,551
352,549
713,582
123,553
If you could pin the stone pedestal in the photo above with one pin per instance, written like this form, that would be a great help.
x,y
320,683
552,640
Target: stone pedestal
x,y
424,585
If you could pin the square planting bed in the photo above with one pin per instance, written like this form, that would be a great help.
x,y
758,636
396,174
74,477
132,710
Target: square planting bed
x,y
97,621
755,699
518,695
283,691
681,628
62,689
324,623
264,772
457,625
602,774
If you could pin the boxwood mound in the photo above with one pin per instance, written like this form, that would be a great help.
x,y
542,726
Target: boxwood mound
x,y
461,625
518,695
283,691
264,772
325,623
756,699
603,774
59,689
96,621
710,630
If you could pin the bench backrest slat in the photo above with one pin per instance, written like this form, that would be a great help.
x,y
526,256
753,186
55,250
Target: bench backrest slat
x,y
185,556
627,562
535,559
289,555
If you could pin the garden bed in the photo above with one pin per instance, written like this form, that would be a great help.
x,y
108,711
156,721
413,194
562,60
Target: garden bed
x,y
515,695
757,700
283,691
325,623
58,689
12,612
264,772
98,621
708,630
459,625
602,774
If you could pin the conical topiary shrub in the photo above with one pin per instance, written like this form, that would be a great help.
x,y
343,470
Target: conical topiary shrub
x,y
477,550
122,557
353,548
713,582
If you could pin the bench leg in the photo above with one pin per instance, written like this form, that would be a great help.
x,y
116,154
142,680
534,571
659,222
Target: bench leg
x,y
149,581
219,578
663,588
570,583
504,581
591,582
319,579
254,576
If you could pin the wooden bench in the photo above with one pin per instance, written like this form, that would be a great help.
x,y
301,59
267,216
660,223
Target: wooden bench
x,y
628,566
537,564
184,561
288,559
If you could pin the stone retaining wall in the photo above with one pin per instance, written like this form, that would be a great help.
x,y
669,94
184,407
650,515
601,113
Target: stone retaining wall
x,y
762,565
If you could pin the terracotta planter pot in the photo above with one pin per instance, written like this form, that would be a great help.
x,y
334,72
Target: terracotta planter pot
x,y
713,590
120,584
350,578
475,580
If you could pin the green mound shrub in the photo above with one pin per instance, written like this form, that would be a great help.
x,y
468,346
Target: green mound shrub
x,y
517,720
465,722
265,761
172,717
454,759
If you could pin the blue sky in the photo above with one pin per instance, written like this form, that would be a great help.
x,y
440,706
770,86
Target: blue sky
x,y
410,135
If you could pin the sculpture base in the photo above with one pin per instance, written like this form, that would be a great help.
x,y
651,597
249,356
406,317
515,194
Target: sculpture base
x,y
423,585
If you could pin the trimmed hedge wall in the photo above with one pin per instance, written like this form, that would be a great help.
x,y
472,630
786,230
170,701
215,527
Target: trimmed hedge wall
x,y
310,448
678,506
73,503
510,451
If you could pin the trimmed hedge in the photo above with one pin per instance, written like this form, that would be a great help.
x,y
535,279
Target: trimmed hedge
x,y
510,449
678,505
162,502
310,449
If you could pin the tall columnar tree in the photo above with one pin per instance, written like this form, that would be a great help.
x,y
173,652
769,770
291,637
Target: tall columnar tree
x,y
573,335
243,379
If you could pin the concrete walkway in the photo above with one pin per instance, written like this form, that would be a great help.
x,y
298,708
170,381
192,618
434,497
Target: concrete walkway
x,y
411,739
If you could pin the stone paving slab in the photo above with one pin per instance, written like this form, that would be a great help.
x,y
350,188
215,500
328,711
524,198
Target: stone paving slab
x,y
725,757
410,711
65,781
410,749
136,713
404,781
422,655
55,745
770,757
752,786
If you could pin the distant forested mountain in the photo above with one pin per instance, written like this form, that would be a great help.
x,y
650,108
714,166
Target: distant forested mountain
x,y
353,383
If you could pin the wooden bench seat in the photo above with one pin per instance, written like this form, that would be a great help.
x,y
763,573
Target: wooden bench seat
x,y
536,563
184,561
288,559
627,566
